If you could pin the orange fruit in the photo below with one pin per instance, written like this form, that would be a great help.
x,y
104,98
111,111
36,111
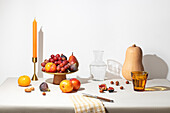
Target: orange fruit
x,y
66,86
24,80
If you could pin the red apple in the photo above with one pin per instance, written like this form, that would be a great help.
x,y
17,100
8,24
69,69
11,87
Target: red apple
x,y
76,83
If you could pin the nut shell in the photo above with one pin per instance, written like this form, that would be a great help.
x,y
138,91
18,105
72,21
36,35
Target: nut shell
x,y
28,90
32,88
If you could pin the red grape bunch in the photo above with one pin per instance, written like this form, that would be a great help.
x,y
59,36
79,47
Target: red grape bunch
x,y
61,62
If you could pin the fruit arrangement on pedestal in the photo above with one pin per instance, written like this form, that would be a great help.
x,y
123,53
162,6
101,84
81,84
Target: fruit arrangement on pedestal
x,y
59,64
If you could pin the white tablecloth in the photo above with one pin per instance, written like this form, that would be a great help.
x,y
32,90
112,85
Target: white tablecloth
x,y
13,98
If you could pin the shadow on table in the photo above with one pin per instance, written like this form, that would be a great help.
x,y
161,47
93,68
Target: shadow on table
x,y
155,66
157,88
84,80
49,80
80,89
114,69
109,76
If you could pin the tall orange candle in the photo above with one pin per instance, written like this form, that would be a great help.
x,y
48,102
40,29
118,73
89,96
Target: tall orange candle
x,y
34,39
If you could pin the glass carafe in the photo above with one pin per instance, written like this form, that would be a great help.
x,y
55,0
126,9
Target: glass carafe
x,y
98,66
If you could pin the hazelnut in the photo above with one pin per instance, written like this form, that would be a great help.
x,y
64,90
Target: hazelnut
x,y
28,90
111,82
44,93
117,83
121,87
127,82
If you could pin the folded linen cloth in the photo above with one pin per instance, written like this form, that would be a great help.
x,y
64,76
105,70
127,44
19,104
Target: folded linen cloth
x,y
87,104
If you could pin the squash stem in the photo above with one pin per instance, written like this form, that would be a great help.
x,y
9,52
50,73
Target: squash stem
x,y
134,45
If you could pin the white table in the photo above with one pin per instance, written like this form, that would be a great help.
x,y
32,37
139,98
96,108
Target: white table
x,y
13,98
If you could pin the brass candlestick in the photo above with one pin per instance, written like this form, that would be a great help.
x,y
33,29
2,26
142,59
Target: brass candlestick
x,y
34,78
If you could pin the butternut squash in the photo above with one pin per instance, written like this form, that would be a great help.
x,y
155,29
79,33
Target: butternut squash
x,y
133,61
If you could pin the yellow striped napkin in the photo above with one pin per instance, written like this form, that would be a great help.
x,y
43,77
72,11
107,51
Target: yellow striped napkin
x,y
87,104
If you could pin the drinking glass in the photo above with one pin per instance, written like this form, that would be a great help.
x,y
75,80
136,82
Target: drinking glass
x,y
139,79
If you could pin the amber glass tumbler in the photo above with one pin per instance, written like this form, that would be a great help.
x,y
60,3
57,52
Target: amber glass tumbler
x,y
139,79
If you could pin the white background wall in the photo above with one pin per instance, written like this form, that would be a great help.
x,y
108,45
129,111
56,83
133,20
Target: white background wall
x,y
81,26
